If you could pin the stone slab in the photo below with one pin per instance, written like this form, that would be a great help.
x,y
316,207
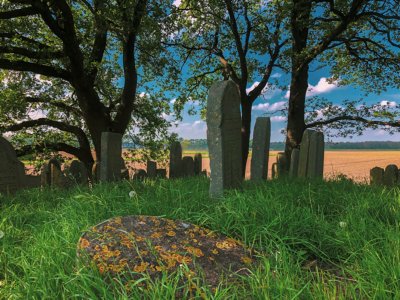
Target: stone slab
x,y
376,176
188,166
175,160
151,169
111,152
390,176
294,163
260,149
198,163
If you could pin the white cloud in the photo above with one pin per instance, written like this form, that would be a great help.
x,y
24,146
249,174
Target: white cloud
x,y
388,103
278,119
270,107
37,114
276,75
195,130
268,92
322,87
173,101
177,3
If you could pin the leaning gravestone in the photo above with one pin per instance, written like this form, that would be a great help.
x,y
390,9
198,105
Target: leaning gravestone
x,y
77,171
390,176
12,171
111,150
133,246
151,169
311,158
188,166
175,160
376,176
224,137
198,163
294,163
260,149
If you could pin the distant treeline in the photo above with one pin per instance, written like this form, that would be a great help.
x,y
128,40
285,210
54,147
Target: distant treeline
x,y
201,144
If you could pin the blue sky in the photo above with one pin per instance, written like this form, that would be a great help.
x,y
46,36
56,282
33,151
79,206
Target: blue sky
x,y
192,127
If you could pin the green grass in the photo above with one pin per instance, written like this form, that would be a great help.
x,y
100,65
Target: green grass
x,y
307,252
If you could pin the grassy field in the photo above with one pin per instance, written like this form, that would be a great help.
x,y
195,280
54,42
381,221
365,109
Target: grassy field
x,y
332,240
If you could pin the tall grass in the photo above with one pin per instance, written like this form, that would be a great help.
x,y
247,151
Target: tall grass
x,y
319,240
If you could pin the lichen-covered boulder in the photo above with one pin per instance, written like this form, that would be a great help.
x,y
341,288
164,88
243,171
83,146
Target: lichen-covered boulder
x,y
127,247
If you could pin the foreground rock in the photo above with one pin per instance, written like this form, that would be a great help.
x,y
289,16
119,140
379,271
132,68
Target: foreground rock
x,y
129,246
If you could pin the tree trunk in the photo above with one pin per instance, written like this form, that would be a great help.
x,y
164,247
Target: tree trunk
x,y
246,131
301,12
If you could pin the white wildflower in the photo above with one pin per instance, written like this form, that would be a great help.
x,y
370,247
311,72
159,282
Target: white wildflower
x,y
132,194
342,224
1,234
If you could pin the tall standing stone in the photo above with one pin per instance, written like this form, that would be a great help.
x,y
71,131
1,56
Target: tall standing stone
x,y
175,160
260,149
294,163
12,171
281,164
198,163
311,158
111,150
376,176
224,137
188,166
151,169
391,175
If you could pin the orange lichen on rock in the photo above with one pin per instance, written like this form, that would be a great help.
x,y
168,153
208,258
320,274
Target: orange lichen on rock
x,y
247,260
84,243
194,251
226,244
140,268
171,233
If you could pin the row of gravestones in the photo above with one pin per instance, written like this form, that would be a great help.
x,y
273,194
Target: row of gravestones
x,y
186,166
224,140
390,176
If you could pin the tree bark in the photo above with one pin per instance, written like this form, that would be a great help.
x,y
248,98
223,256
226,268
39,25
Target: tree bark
x,y
246,131
301,13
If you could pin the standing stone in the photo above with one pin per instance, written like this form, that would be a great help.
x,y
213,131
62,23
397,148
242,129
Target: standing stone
x,y
224,137
391,175
151,169
77,171
294,163
281,165
175,160
12,171
161,173
274,171
376,176
52,175
140,174
311,158
96,171
188,166
111,150
198,163
260,149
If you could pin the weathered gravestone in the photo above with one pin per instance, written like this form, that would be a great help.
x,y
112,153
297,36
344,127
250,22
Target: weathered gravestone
x,y
376,175
281,165
111,150
188,166
130,247
77,171
390,176
139,174
224,137
260,149
175,160
198,163
12,171
161,173
151,169
294,163
52,175
311,158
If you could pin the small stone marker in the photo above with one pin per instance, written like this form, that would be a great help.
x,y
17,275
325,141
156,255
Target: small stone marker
x,y
77,171
175,160
311,157
376,176
260,149
198,163
294,163
111,150
281,164
224,137
390,176
140,174
188,166
151,169
129,247
12,171
161,173
52,175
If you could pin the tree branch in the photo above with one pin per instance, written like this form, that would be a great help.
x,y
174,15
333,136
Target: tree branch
x,y
353,118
